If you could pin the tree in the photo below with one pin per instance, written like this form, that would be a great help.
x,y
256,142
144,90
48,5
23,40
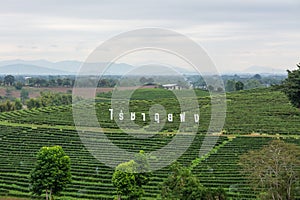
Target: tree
x,y
59,82
215,194
7,106
24,95
230,85
220,89
257,77
239,86
9,80
33,103
51,173
182,184
18,86
291,86
18,104
8,94
129,177
143,80
210,88
273,170
253,83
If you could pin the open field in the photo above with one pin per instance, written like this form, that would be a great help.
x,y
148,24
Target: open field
x,y
263,113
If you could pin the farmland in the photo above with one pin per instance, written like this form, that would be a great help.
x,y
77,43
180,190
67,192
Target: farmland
x,y
253,118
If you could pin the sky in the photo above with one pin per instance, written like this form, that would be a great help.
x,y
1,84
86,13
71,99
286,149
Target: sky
x,y
236,34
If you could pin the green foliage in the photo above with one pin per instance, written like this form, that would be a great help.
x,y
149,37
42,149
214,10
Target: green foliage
x,y
8,106
257,77
8,94
230,86
291,86
253,83
49,99
129,177
24,95
210,88
239,85
106,82
33,103
220,169
266,111
153,94
182,184
53,82
9,80
261,110
144,80
215,194
51,173
18,86
18,104
273,170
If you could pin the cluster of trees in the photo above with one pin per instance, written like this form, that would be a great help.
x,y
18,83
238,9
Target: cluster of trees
x,y
10,106
49,99
291,86
129,177
182,184
236,82
46,99
53,82
273,171
39,81
145,81
232,85
69,82
9,80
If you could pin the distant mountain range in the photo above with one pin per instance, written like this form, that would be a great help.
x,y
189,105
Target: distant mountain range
x,y
63,66
264,70
71,67
44,67
27,69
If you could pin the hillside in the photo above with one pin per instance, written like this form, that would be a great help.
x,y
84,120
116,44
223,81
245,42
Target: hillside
x,y
262,111
250,111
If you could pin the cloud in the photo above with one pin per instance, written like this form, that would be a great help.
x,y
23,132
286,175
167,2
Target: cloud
x,y
226,29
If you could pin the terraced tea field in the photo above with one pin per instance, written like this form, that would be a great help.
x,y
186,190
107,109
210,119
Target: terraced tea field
x,y
23,133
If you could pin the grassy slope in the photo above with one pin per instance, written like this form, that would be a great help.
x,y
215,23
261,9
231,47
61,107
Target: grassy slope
x,y
254,111
261,110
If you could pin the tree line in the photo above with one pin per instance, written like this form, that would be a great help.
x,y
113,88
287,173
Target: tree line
x,y
239,82
49,99
52,81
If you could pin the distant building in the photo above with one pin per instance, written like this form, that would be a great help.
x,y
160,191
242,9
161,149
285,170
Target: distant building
x,y
172,86
27,78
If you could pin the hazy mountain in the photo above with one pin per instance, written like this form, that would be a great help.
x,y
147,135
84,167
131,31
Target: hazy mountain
x,y
44,67
26,69
263,70
66,66
71,67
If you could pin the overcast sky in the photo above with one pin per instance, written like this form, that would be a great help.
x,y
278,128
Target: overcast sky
x,y
235,33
